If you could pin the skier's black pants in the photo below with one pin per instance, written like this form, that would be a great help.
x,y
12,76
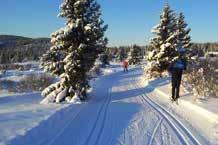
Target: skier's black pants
x,y
176,81
125,69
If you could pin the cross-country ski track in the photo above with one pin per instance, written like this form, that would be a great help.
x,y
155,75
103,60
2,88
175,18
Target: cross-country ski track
x,y
119,112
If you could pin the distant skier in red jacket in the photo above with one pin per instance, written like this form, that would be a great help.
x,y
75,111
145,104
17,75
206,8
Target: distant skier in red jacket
x,y
125,65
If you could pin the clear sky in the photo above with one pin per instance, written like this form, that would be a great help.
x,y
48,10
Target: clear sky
x,y
130,21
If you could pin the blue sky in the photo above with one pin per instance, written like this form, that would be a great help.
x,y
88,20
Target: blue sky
x,y
130,21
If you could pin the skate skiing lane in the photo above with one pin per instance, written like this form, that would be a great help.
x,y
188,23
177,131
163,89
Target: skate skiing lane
x,y
118,113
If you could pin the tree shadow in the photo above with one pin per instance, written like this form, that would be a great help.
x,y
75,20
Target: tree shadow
x,y
94,124
46,129
121,116
140,90
131,75
89,126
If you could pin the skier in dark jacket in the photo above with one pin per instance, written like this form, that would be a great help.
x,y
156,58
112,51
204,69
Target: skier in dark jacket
x,y
176,70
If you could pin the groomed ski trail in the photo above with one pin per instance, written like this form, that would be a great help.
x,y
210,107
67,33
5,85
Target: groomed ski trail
x,y
119,113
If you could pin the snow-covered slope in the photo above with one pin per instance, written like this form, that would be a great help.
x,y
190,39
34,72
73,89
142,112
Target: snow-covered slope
x,y
119,112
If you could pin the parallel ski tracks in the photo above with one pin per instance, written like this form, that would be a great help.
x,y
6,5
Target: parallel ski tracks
x,y
68,123
183,134
102,113
154,131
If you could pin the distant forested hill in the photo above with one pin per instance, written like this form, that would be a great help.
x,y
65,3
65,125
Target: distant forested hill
x,y
19,49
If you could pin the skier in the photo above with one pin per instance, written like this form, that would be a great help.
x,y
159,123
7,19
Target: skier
x,y
176,69
125,65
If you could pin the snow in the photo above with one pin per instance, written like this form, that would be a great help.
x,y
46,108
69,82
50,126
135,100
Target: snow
x,y
17,75
21,113
51,98
202,115
51,88
107,71
32,63
78,21
10,78
61,95
164,46
77,3
121,110
75,99
88,27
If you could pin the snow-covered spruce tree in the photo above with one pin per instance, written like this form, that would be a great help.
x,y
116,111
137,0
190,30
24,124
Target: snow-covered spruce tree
x,y
74,49
164,43
183,37
135,55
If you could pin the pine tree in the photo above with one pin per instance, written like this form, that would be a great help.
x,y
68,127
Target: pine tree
x,y
164,44
135,55
103,58
110,54
74,49
183,37
122,54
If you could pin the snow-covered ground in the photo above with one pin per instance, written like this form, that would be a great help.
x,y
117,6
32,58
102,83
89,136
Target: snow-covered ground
x,y
201,114
18,75
121,110
20,113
